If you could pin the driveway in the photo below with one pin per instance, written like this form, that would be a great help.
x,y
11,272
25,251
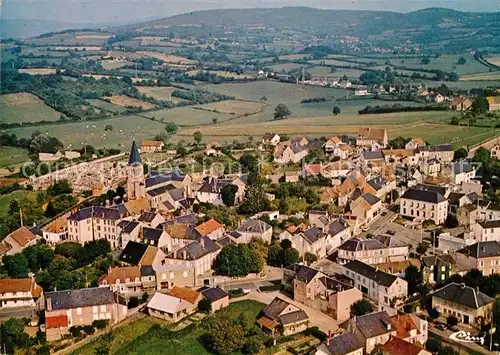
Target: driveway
x,y
316,318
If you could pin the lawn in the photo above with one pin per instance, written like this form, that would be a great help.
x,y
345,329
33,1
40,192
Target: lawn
x,y
446,62
10,156
140,338
125,128
6,199
108,106
234,107
25,107
188,116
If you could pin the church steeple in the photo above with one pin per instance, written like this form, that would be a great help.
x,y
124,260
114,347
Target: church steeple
x,y
134,157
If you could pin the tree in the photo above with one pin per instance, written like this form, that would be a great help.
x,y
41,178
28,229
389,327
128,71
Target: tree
x,y
260,248
281,111
225,335
361,307
171,127
310,258
480,104
462,61
286,244
414,278
455,121
13,334
460,154
425,61
451,221
214,120
255,200
482,155
228,194
237,260
290,256
15,265
452,321
198,136
336,110
422,248
253,345
108,127
274,255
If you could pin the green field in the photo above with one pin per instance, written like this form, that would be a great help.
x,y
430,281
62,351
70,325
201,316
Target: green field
x,y
10,156
25,107
187,116
140,338
108,106
125,128
351,106
5,200
446,62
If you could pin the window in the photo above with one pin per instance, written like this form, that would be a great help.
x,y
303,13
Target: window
x,y
185,274
103,308
94,309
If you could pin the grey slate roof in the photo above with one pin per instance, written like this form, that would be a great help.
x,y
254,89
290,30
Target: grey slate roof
x,y
214,294
109,213
454,198
133,252
177,194
337,226
357,244
195,249
147,270
134,157
461,167
373,155
313,234
389,241
343,344
305,273
146,216
273,309
128,226
156,178
481,249
433,188
374,324
151,235
186,219
368,271
424,196
86,297
464,295
253,226
160,190
371,199
436,148
489,224
293,317
377,183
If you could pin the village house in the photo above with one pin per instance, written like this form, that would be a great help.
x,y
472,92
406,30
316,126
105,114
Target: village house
x,y
424,204
430,167
198,254
128,231
129,280
495,151
216,297
283,318
141,254
19,293
16,241
415,143
95,222
386,289
371,329
461,173
398,346
186,294
168,307
270,139
337,231
488,211
175,178
487,231
64,309
372,251
493,103
156,237
483,256
211,228
289,153
437,97
333,295
312,241
150,219
367,207
443,153
411,328
367,136
331,144
299,140
252,228
151,146
467,215
465,303
167,276
382,185
361,91
437,268
341,344
210,191
56,231
461,103
401,156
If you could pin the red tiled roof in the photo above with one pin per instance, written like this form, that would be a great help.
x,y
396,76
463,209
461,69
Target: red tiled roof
x,y
151,143
15,285
56,321
208,227
22,236
185,294
397,346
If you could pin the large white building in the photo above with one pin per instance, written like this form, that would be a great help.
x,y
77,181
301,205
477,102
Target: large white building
x,y
424,204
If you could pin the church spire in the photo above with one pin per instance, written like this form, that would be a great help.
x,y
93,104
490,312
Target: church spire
x,y
134,157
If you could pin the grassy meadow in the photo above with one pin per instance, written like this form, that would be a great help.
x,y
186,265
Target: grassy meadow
x,y
12,156
25,107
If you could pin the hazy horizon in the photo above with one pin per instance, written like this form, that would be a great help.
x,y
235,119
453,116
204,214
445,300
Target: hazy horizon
x,y
98,12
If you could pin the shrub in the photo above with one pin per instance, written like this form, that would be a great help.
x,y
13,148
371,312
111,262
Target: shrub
x,y
133,302
238,292
315,332
452,321
267,288
88,329
433,344
100,323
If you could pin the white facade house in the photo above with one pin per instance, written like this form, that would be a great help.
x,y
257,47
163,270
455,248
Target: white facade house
x,y
19,293
423,204
487,231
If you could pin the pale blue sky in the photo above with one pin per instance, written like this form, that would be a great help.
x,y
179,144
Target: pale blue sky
x,y
106,11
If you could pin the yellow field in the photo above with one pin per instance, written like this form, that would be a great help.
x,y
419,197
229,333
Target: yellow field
x,y
38,71
158,92
226,74
234,107
494,60
481,76
92,36
22,99
168,58
111,64
125,101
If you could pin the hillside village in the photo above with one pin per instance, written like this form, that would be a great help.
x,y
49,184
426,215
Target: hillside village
x,y
391,244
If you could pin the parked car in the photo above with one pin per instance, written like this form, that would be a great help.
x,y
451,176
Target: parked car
x,y
441,327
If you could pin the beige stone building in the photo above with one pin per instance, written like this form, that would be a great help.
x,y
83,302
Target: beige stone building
x,y
483,256
16,241
148,146
466,303
367,136
283,318
423,204
341,344
381,249
19,293
493,103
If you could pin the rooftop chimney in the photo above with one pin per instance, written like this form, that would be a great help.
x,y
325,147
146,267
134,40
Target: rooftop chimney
x,y
49,304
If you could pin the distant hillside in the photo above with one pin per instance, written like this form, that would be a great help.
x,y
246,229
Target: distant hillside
x,y
18,28
319,20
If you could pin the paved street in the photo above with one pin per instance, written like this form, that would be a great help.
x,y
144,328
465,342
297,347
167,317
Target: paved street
x,y
317,318
462,348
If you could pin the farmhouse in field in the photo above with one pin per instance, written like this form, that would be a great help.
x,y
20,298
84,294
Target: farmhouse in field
x,y
151,146
493,103
270,138
461,103
368,136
